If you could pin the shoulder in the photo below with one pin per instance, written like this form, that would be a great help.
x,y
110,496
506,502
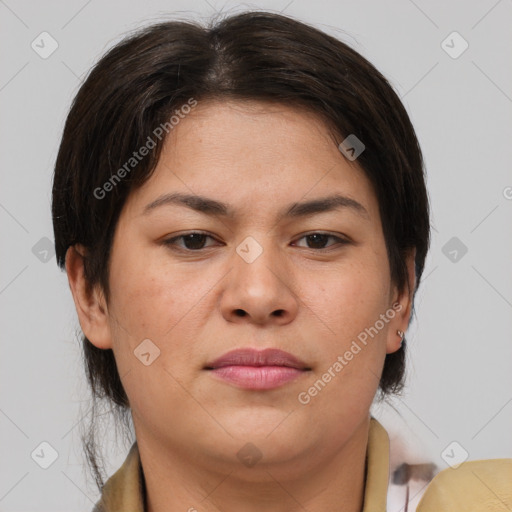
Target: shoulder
x,y
474,486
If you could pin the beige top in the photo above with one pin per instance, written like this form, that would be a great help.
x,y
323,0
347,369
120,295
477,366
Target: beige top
x,y
475,486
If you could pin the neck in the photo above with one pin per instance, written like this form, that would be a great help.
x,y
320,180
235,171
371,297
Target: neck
x,y
176,479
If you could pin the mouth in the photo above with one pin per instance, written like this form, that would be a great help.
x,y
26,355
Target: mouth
x,y
257,369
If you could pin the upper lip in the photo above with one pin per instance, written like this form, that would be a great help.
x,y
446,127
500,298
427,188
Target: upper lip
x,y
253,357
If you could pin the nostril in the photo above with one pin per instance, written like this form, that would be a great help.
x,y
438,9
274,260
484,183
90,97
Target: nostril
x,y
240,312
278,312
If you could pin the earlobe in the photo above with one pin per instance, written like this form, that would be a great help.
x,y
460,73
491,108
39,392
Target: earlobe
x,y
402,304
90,303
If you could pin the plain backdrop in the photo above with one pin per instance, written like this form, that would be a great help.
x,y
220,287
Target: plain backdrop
x,y
459,385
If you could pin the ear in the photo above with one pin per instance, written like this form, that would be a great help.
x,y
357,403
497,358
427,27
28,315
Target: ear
x,y
90,302
402,305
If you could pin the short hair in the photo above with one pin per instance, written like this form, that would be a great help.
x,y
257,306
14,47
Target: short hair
x,y
139,84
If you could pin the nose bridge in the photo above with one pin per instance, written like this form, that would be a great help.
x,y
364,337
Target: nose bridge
x,y
258,288
257,264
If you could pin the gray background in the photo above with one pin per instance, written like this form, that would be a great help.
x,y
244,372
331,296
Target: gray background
x,y
459,365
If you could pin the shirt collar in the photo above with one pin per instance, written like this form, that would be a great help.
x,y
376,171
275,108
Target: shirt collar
x,y
377,468
125,489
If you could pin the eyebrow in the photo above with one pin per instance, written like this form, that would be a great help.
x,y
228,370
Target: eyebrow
x,y
216,208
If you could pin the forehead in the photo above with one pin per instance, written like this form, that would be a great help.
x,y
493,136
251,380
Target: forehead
x,y
248,131
254,153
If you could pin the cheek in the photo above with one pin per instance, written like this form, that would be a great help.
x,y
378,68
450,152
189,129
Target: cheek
x,y
152,302
160,301
350,302
352,296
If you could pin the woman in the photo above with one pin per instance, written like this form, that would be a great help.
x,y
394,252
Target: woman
x,y
242,215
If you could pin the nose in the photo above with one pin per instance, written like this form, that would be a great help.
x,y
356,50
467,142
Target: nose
x,y
260,291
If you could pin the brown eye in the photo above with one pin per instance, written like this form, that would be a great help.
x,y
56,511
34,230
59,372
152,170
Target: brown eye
x,y
319,240
194,241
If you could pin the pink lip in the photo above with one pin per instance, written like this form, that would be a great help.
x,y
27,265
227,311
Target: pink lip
x,y
257,369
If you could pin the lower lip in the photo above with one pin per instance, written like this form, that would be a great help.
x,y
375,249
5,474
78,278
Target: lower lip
x,y
257,377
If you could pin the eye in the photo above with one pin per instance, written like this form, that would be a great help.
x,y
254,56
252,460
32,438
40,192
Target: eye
x,y
193,241
318,240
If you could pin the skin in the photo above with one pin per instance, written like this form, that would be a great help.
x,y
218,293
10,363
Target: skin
x,y
259,159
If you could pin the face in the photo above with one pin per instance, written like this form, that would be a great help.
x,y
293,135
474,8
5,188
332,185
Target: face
x,y
193,280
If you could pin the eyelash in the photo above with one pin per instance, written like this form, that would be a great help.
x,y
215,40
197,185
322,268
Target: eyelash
x,y
171,241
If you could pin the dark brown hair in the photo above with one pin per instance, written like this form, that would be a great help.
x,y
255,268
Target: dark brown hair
x,y
139,84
